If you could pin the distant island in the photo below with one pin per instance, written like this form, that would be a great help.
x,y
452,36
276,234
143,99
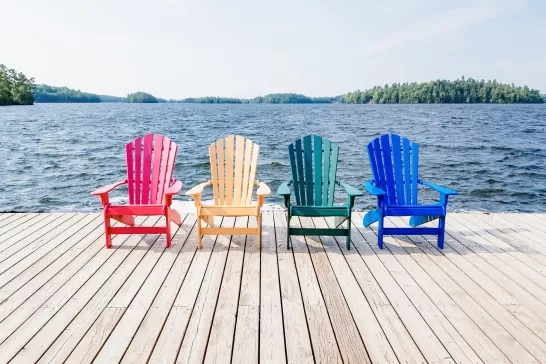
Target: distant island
x,y
460,91
17,89
142,97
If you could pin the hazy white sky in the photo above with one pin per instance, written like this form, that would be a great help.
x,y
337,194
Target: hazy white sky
x,y
245,48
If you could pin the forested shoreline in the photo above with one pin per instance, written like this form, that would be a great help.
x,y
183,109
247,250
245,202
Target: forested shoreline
x,y
15,87
18,89
460,91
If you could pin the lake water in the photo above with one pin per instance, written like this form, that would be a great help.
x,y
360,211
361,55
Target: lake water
x,y
54,155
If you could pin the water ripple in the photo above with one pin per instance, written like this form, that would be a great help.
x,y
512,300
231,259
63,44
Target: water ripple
x,y
55,154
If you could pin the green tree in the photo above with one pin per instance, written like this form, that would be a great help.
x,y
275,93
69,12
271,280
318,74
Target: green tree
x,y
15,87
463,90
142,97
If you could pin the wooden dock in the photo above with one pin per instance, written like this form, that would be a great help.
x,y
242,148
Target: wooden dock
x,y
65,298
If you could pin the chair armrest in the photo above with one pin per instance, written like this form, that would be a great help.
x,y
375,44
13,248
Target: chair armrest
x,y
376,191
263,189
351,191
174,189
108,188
197,190
284,189
441,189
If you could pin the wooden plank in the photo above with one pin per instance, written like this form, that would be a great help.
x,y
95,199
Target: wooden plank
x,y
271,333
221,172
332,173
478,329
294,170
220,341
498,323
387,163
10,219
246,172
521,286
138,170
358,331
517,231
28,230
172,333
149,330
396,314
515,259
308,167
213,172
398,176
369,263
16,253
44,285
198,328
490,240
55,275
247,328
323,339
136,299
252,178
5,215
129,161
297,336
317,155
414,171
146,169
239,158
85,352
87,287
492,282
526,243
34,264
534,221
301,177
156,167
17,220
326,171
407,174
230,150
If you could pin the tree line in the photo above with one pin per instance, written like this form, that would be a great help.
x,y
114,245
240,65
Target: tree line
x,y
46,93
278,98
462,90
15,87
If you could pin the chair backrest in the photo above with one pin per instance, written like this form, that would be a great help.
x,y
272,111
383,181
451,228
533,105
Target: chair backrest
x,y
150,164
313,161
233,163
395,168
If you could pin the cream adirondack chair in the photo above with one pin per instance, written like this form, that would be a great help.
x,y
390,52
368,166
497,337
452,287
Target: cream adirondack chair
x,y
233,163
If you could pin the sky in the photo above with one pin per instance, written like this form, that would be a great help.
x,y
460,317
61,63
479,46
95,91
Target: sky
x,y
245,48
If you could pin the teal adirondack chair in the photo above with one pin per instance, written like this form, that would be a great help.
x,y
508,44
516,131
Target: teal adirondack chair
x,y
391,159
314,164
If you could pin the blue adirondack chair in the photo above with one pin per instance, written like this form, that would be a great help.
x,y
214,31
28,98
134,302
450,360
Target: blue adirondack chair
x,y
313,160
395,162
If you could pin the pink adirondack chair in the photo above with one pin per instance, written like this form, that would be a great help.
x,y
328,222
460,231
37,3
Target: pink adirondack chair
x,y
150,164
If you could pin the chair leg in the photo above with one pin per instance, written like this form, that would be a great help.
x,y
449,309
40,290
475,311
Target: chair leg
x,y
199,236
107,234
288,232
168,227
348,242
259,223
442,226
380,233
